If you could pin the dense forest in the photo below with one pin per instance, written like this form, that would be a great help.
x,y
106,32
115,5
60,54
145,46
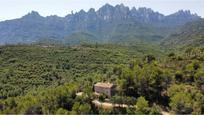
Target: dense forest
x,y
46,78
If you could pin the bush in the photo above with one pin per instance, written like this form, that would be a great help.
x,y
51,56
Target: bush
x,y
34,110
142,106
62,111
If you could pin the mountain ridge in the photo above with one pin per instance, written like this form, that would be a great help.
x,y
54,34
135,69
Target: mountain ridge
x,y
102,23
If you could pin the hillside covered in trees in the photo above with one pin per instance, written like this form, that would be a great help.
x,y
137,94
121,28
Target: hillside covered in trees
x,y
189,35
45,79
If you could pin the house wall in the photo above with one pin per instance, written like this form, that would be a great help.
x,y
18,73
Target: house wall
x,y
106,91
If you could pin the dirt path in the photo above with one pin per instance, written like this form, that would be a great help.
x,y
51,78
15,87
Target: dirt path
x,y
165,113
106,105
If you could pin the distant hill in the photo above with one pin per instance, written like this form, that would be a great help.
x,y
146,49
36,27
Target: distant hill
x,y
80,38
108,23
191,34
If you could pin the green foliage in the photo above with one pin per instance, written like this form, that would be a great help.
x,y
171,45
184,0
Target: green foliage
x,y
185,99
62,111
38,79
181,103
142,106
81,108
34,110
155,110
76,106
102,97
84,108
50,100
149,58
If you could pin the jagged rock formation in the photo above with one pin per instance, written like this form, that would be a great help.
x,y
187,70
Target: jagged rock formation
x,y
109,23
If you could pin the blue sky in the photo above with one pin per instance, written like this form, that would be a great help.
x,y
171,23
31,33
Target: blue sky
x,y
10,9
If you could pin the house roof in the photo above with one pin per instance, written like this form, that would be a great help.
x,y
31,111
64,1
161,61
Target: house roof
x,y
104,85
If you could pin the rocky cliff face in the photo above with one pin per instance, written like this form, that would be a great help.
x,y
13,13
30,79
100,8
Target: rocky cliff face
x,y
102,23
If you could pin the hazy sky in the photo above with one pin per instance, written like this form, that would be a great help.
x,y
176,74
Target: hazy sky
x,y
10,9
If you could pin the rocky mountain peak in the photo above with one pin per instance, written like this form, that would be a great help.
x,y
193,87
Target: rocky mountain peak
x,y
122,8
99,22
106,12
106,6
184,13
91,10
33,15
133,9
82,12
146,10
